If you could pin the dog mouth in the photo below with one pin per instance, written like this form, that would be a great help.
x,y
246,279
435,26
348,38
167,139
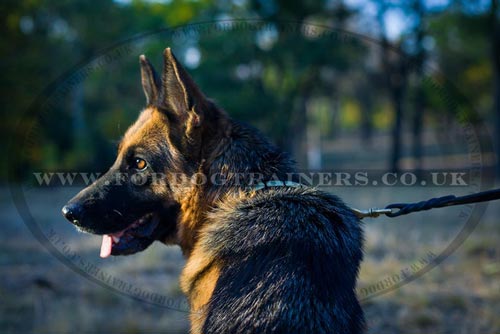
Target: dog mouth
x,y
134,238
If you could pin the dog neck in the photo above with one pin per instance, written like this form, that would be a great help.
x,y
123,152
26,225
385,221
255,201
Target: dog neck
x,y
232,157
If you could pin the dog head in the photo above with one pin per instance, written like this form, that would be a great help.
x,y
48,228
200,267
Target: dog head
x,y
137,201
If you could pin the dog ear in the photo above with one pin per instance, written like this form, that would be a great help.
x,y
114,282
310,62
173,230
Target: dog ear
x,y
179,92
150,81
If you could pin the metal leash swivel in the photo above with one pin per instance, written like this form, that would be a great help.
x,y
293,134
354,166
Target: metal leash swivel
x,y
371,213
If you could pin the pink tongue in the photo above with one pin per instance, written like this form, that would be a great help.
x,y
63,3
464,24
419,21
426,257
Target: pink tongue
x,y
107,244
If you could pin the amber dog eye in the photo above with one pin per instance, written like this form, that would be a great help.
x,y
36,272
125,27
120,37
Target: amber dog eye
x,y
140,164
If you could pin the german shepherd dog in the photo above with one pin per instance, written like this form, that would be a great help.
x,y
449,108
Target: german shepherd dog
x,y
260,258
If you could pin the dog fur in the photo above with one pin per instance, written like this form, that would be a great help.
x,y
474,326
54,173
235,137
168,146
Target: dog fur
x,y
275,260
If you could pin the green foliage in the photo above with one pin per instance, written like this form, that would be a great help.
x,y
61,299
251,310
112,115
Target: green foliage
x,y
265,76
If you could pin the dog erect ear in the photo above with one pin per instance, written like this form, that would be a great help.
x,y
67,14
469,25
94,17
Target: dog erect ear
x,y
179,92
150,81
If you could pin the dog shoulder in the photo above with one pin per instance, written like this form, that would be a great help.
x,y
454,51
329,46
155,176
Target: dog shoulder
x,y
285,215
290,260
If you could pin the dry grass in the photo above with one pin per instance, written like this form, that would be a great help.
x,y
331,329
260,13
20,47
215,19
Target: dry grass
x,y
39,294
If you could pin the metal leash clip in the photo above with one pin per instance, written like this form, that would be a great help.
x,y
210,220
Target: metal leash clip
x,y
372,212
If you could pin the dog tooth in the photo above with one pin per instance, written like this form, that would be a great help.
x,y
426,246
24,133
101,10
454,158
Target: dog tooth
x,y
115,239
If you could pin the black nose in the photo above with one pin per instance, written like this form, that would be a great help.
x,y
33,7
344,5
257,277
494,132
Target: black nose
x,y
72,212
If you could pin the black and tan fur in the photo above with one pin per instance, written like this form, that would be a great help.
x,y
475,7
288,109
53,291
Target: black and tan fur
x,y
276,260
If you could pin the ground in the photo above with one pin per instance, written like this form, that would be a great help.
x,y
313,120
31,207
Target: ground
x,y
40,293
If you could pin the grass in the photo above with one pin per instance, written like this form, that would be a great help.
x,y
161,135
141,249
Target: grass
x,y
39,294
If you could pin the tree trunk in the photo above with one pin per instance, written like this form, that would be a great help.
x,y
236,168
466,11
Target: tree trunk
x,y
365,100
297,134
395,72
79,126
397,102
419,105
313,135
495,43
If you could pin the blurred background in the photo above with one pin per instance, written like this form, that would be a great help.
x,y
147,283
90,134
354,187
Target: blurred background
x,y
341,85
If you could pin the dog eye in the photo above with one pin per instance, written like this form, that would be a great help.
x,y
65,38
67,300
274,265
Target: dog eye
x,y
140,164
